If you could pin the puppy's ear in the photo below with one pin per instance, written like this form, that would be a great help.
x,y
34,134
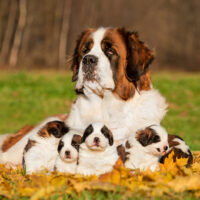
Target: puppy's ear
x,y
76,55
108,134
147,136
60,146
87,132
138,56
143,138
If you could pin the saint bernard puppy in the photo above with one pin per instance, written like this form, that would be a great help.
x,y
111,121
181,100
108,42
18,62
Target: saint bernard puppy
x,y
144,149
180,149
113,84
68,150
97,154
41,150
12,145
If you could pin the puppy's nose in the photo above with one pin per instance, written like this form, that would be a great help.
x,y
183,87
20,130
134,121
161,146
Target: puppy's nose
x,y
67,153
165,148
90,60
96,140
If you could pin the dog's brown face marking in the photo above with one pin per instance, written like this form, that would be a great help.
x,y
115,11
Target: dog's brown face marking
x,y
147,136
13,139
76,141
171,141
55,128
108,134
129,59
122,153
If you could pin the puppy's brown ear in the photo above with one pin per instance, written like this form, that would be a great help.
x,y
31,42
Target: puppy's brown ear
x,y
138,56
108,134
77,54
122,153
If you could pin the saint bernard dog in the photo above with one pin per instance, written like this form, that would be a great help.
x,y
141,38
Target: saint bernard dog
x,y
68,150
113,84
144,149
12,145
97,154
180,149
41,150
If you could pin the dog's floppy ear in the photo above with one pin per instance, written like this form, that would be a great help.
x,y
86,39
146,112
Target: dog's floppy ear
x,y
138,56
77,56
87,132
108,134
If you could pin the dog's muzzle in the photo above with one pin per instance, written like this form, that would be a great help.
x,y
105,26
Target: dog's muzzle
x,y
89,67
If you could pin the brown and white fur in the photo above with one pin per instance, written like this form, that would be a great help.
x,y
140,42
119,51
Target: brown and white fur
x,y
144,149
111,70
97,154
41,150
12,145
180,149
68,150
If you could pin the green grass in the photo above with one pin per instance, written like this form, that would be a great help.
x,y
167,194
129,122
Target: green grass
x,y
27,98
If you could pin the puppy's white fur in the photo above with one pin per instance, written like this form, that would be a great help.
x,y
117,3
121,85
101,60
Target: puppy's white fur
x,y
146,157
14,155
64,164
99,160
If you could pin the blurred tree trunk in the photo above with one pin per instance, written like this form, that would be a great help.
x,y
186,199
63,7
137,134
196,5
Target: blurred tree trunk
x,y
19,32
64,32
10,28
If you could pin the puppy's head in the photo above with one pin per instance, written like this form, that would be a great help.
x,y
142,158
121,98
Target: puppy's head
x,y
155,139
54,128
97,137
68,147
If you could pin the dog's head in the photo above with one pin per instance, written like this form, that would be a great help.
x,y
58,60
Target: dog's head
x,y
54,128
111,59
68,147
97,137
155,140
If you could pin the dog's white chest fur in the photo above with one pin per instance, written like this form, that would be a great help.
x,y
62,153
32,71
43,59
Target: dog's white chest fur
x,y
122,117
96,162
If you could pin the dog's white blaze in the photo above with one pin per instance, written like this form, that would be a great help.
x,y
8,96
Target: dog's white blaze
x,y
182,145
103,68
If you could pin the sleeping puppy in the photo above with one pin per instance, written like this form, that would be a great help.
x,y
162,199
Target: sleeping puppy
x,y
68,150
144,148
41,149
97,154
180,149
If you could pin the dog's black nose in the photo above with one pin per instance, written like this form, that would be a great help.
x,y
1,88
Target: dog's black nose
x,y
90,60
165,148
67,153
96,140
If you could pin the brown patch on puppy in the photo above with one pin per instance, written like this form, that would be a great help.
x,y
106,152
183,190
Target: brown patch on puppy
x,y
55,128
178,153
13,139
127,145
76,141
29,145
147,136
122,153
108,134
83,45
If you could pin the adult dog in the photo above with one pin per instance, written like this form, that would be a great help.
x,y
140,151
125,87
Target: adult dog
x,y
111,70
113,84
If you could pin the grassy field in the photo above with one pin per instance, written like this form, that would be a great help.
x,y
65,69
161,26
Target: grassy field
x,y
27,98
